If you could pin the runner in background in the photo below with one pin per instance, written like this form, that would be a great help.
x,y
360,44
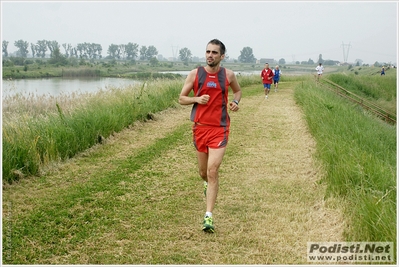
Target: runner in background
x,y
276,78
267,79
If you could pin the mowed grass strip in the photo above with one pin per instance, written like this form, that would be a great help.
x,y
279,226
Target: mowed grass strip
x,y
130,194
132,204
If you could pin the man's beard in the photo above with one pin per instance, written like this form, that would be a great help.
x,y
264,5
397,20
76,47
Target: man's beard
x,y
212,64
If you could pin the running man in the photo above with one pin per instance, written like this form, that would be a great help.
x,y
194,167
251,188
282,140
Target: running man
x,y
267,76
382,71
211,127
319,70
276,78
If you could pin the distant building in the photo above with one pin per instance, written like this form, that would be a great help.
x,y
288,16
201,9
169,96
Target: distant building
x,y
267,60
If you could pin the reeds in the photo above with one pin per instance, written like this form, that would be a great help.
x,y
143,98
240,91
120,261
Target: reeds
x,y
39,130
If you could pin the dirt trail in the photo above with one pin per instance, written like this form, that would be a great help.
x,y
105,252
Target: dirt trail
x,y
278,173
270,203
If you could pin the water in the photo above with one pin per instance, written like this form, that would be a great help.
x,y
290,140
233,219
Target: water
x,y
57,86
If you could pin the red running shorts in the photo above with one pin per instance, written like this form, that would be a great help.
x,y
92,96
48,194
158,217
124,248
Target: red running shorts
x,y
205,137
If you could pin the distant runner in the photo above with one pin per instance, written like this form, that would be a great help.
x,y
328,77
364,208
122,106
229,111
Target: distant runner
x,y
267,76
276,78
319,70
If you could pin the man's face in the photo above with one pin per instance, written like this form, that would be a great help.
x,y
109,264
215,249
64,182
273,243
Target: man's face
x,y
266,66
212,55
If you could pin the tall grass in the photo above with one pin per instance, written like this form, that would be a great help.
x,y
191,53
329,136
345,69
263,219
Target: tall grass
x,y
380,90
358,153
35,134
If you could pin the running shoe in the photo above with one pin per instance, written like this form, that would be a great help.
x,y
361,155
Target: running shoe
x,y
205,187
208,225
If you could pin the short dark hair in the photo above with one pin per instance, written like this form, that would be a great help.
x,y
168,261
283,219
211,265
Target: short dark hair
x,y
220,44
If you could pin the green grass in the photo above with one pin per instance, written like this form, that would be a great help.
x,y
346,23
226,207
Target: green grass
x,y
358,155
380,90
30,142
85,211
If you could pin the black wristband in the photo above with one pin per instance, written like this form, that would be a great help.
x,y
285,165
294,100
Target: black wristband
x,y
235,101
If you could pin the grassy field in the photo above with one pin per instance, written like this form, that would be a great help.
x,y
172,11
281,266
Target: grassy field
x,y
37,131
137,198
95,187
380,90
358,153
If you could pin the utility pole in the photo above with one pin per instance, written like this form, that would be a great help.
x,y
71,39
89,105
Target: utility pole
x,y
347,51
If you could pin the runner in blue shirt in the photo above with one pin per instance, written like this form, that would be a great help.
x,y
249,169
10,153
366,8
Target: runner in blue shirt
x,y
276,78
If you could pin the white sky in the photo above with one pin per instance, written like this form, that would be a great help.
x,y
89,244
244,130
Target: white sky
x,y
293,30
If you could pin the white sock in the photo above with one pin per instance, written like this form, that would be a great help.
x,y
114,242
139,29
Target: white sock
x,y
208,213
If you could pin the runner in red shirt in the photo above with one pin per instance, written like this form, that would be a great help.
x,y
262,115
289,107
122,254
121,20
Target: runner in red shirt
x,y
267,79
211,119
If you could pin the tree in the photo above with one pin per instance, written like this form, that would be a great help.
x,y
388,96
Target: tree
x,y
5,45
52,45
153,62
185,55
151,52
22,48
143,52
122,51
113,51
68,49
131,50
148,53
58,58
81,50
246,55
98,48
33,48
311,62
41,48
281,61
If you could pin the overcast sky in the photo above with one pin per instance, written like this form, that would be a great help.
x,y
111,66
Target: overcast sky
x,y
293,30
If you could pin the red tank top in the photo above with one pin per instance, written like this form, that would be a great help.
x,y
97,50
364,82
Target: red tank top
x,y
215,85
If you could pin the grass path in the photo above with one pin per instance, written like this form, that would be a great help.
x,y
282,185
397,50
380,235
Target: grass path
x,y
137,199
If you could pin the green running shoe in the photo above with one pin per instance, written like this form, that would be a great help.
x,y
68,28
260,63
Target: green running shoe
x,y
205,187
208,225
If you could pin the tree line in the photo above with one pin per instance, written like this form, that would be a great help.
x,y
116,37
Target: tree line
x,y
81,50
129,51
